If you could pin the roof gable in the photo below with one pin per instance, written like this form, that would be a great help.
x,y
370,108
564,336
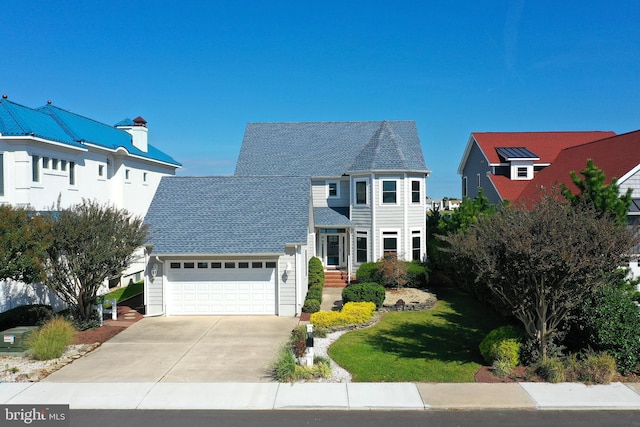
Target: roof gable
x,y
327,149
229,214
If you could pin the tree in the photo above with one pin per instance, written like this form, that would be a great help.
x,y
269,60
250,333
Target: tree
x,y
393,271
91,243
24,237
605,198
540,263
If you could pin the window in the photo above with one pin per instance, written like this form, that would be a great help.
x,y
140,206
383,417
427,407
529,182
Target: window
x,y
54,164
257,264
203,265
464,186
415,192
63,165
35,168
144,177
175,265
100,170
522,172
45,163
127,173
389,192
415,246
229,265
361,247
270,264
189,265
216,265
478,181
361,192
333,189
243,265
390,243
72,173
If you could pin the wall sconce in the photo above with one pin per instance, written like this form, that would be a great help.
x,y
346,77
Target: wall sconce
x,y
154,271
287,267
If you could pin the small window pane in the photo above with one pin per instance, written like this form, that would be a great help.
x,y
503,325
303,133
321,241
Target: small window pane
x,y
35,168
361,243
229,265
256,265
100,170
72,173
216,265
45,163
361,193
270,264
388,192
415,191
63,165
203,265
416,248
189,265
175,265
243,265
333,189
54,164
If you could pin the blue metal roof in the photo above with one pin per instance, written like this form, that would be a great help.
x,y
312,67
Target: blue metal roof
x,y
331,217
326,149
228,215
18,120
90,131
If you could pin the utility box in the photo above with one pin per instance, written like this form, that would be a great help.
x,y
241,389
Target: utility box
x,y
13,340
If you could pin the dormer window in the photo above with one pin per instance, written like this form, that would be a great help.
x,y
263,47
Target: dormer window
x,y
333,189
519,160
522,172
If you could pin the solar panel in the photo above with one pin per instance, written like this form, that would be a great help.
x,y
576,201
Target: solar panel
x,y
510,153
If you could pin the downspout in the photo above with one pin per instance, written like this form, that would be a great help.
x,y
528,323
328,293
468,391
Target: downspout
x,y
405,208
163,293
374,225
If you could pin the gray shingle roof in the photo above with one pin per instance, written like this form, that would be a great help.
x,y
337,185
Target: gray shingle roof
x,y
331,217
327,149
228,215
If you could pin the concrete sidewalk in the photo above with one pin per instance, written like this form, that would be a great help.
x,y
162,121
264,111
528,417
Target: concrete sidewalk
x,y
340,396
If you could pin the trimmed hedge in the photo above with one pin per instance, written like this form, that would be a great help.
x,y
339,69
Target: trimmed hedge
x,y
353,313
311,306
364,292
25,315
369,272
316,272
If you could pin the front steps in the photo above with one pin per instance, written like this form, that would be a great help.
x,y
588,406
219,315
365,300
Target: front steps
x,y
336,278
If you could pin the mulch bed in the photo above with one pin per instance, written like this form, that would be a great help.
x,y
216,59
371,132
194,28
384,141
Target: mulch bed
x,y
109,329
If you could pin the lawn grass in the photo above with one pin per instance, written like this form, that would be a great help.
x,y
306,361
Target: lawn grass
x,y
126,292
438,345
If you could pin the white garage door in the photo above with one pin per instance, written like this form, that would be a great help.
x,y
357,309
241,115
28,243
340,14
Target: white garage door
x,y
221,288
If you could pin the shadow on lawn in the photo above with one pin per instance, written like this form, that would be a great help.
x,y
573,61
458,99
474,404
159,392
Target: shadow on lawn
x,y
453,336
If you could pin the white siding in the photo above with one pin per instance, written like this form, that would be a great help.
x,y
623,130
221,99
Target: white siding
x,y
287,288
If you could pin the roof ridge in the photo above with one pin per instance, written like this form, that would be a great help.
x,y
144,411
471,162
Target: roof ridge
x,y
5,103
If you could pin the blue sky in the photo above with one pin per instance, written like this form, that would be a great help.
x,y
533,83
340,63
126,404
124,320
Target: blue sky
x,y
199,71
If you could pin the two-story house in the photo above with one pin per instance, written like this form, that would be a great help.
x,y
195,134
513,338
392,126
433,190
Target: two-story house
x,y
347,192
503,163
51,157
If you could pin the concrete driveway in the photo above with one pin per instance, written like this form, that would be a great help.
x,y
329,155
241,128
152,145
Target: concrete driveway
x,y
185,349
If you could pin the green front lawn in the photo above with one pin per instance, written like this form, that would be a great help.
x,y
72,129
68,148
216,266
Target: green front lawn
x,y
126,292
438,345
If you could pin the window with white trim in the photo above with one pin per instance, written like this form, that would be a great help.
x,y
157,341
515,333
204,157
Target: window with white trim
x,y
389,243
416,250
100,170
45,163
362,248
333,189
72,173
35,168
389,192
415,192
361,193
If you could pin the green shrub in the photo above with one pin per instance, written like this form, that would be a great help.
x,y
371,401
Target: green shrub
x,y
599,368
502,368
417,275
369,272
25,315
51,340
315,292
316,272
311,306
352,313
608,321
551,370
502,343
364,292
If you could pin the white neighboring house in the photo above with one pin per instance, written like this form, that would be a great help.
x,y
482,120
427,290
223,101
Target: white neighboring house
x,y
50,155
